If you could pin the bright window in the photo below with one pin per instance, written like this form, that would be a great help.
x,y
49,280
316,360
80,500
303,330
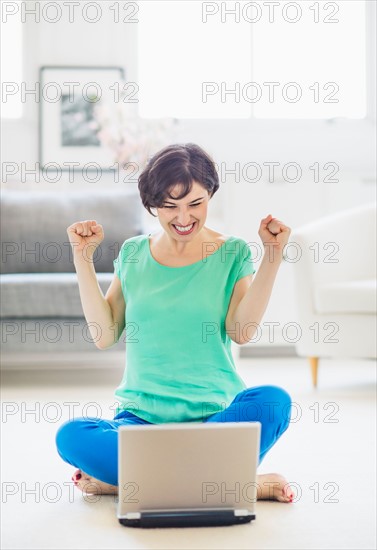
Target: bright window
x,y
11,65
178,53
304,60
325,61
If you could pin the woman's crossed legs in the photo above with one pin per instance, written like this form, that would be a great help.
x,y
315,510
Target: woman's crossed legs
x,y
91,444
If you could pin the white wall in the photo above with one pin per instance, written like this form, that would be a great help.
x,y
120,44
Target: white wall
x,y
239,205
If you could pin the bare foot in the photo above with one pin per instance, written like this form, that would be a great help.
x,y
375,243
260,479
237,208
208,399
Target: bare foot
x,y
270,486
274,487
93,486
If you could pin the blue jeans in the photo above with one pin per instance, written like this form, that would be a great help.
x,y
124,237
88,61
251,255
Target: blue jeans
x,y
91,444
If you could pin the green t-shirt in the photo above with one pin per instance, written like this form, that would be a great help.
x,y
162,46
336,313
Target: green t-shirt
x,y
179,365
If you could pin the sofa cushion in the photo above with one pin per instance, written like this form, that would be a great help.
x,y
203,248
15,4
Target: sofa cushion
x,y
34,227
26,295
346,297
32,342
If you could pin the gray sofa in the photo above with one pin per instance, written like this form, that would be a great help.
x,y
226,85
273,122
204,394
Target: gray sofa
x,y
41,311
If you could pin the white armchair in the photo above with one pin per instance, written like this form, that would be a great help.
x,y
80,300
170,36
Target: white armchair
x,y
335,286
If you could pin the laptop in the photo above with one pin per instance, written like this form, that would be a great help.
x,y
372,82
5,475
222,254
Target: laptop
x,y
187,474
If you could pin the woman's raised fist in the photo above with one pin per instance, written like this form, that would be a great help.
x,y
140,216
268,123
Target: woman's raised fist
x,y
85,237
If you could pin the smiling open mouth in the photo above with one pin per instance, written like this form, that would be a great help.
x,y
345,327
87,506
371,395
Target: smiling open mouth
x,y
184,230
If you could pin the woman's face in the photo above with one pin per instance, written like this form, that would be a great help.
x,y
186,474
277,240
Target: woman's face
x,y
192,209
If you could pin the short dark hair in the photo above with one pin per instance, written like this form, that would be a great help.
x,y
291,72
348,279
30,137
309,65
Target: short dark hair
x,y
173,165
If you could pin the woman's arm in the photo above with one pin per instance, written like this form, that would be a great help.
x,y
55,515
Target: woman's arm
x,y
104,315
85,237
249,312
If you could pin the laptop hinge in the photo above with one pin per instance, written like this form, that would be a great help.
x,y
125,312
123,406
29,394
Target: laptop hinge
x,y
186,518
137,515
132,515
242,512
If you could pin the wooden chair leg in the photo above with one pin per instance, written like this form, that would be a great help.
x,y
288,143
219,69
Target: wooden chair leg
x,y
314,369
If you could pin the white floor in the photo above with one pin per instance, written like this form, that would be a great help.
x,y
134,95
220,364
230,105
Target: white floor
x,y
328,452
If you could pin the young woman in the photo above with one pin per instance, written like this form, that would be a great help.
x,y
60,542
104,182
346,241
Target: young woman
x,y
188,291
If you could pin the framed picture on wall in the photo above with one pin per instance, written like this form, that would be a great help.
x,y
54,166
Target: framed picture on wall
x,y
68,129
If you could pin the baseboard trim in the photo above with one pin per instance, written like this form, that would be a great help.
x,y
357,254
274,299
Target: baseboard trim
x,y
267,351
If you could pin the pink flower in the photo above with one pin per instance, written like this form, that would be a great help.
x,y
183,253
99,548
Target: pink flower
x,y
131,138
